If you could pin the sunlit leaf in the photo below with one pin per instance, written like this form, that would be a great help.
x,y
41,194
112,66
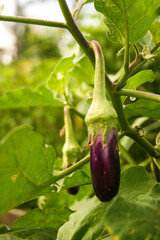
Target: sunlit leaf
x,y
32,234
43,218
138,194
139,79
155,30
27,97
60,75
25,164
78,178
132,18
143,108
86,223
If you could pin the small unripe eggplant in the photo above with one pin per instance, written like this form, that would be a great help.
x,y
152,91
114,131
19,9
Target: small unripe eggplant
x,y
105,167
71,149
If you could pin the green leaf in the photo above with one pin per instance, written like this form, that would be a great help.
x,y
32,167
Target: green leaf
x,y
151,198
86,223
31,234
83,71
143,108
82,77
25,164
155,30
139,79
128,220
78,178
134,214
146,41
132,18
43,218
138,193
135,181
27,97
155,167
60,76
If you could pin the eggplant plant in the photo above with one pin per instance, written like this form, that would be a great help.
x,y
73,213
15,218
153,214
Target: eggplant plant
x,y
106,94
101,120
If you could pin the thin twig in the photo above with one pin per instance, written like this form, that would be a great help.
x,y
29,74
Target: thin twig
x,y
33,21
139,94
135,65
77,9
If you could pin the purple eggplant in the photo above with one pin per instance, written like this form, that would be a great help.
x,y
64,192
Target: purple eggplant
x,y
105,167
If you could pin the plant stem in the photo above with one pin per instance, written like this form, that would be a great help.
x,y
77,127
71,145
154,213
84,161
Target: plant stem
x,y
131,132
136,64
140,61
126,155
81,115
122,81
27,20
126,55
78,36
74,29
77,8
139,94
148,147
117,104
67,171
136,50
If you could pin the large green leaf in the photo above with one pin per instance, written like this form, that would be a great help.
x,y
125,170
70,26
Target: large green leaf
x,y
27,97
25,164
128,17
43,218
60,76
155,30
134,214
139,79
82,77
138,191
143,108
83,70
31,234
134,182
86,223
128,220
78,178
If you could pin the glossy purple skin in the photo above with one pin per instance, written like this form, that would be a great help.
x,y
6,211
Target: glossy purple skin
x,y
105,167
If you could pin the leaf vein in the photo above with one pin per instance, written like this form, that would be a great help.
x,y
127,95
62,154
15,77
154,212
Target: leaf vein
x,y
139,18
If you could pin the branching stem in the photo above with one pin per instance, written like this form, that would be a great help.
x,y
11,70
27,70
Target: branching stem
x,y
137,63
140,94
67,171
78,36
33,21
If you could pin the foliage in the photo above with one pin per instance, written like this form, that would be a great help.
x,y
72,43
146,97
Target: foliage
x,y
34,89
